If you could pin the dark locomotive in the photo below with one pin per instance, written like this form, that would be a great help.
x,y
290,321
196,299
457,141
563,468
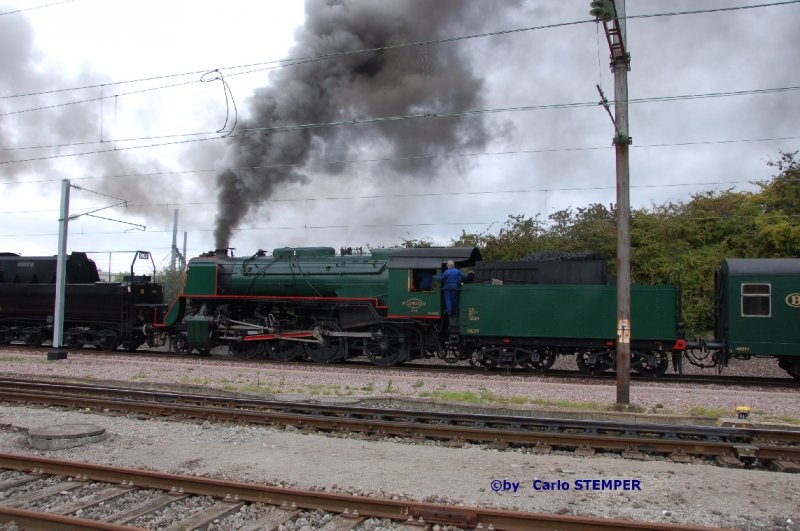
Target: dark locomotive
x,y
105,315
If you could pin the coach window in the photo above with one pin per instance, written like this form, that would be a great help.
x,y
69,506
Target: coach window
x,y
756,300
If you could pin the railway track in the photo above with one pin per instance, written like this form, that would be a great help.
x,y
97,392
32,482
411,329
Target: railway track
x,y
460,370
44,493
740,447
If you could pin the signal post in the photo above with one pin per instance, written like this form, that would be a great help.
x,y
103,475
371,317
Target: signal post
x,y
612,14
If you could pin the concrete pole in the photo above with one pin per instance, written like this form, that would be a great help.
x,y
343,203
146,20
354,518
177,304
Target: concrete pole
x,y
174,240
57,353
621,141
185,236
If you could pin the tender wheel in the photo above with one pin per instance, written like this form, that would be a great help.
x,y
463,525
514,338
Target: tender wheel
x,y
388,345
106,339
594,363
538,360
328,349
32,336
74,338
450,354
486,358
653,364
247,350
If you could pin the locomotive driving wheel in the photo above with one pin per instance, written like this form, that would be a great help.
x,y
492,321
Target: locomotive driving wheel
x,y
653,364
387,346
285,350
247,350
327,349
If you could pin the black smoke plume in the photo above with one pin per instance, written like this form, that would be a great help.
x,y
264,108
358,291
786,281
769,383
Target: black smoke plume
x,y
413,80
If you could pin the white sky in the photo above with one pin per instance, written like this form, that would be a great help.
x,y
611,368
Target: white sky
x,y
87,42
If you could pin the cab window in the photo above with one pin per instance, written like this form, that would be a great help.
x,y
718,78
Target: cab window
x,y
422,279
756,300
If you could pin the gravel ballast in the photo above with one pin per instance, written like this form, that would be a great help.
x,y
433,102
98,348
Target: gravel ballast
x,y
696,493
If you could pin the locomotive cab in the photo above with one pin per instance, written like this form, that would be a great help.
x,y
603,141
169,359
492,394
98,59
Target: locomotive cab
x,y
413,292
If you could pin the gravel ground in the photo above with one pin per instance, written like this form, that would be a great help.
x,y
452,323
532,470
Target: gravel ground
x,y
694,493
302,381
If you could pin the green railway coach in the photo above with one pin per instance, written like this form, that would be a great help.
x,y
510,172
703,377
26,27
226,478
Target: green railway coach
x,y
757,311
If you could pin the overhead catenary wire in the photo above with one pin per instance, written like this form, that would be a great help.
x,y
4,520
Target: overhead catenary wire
x,y
392,225
406,158
35,7
417,195
398,118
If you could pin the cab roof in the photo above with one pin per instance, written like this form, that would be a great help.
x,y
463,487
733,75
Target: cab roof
x,y
433,257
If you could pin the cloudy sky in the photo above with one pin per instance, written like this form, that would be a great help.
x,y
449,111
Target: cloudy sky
x,y
110,94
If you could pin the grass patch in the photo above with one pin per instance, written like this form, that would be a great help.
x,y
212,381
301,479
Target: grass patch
x,y
418,384
472,397
390,388
783,419
260,389
140,376
702,411
569,404
370,387
13,359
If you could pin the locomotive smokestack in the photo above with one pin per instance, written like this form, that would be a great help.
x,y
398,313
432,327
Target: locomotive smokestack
x,y
431,78
221,253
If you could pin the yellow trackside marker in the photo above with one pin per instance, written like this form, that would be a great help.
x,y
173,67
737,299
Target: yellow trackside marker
x,y
742,411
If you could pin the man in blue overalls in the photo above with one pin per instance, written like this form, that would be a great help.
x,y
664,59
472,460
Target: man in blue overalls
x,y
451,277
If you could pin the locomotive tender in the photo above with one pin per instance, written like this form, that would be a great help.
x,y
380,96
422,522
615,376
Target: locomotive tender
x,y
312,303
102,314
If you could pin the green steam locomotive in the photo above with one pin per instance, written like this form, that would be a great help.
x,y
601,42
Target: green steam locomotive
x,y
313,303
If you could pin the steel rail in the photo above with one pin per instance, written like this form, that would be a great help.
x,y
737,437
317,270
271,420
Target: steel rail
x,y
460,370
349,411
34,521
730,444
606,378
402,510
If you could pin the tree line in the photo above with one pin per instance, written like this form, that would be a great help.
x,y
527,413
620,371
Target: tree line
x,y
674,241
